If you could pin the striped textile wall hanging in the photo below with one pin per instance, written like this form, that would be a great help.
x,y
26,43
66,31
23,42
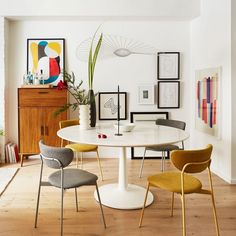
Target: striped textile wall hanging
x,y
207,100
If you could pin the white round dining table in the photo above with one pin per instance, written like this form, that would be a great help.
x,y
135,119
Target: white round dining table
x,y
123,195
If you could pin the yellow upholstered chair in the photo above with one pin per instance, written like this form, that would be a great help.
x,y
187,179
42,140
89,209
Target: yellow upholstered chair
x,y
187,161
79,148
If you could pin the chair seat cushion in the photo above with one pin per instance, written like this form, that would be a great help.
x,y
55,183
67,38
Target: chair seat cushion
x,y
77,147
161,148
171,181
73,178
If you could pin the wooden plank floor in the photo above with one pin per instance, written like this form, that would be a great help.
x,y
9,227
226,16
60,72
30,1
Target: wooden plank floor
x,y
17,206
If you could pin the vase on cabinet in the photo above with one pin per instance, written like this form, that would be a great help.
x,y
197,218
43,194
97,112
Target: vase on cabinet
x,y
84,116
92,108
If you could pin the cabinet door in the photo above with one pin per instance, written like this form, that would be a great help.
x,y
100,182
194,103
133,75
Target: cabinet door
x,y
52,126
30,129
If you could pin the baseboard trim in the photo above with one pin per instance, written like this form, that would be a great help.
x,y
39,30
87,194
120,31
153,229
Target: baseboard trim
x,y
233,181
224,177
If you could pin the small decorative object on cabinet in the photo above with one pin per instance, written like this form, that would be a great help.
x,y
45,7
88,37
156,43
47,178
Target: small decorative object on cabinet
x,y
36,121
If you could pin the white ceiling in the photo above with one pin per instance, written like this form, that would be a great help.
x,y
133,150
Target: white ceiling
x,y
102,9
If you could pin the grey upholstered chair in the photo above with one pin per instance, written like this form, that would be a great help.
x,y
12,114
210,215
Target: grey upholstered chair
x,y
164,148
59,158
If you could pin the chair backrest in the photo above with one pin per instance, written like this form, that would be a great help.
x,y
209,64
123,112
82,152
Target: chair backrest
x,y
198,160
67,123
55,157
172,123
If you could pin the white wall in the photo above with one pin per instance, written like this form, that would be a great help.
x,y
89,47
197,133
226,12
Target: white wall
x,y
2,86
127,72
233,87
211,47
2,71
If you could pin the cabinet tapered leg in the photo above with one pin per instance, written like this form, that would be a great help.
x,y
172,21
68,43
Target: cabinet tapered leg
x,y
21,159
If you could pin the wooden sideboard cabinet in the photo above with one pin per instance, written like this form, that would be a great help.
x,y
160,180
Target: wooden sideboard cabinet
x,y
36,120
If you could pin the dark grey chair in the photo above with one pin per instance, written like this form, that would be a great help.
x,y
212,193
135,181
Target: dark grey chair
x,y
59,158
164,148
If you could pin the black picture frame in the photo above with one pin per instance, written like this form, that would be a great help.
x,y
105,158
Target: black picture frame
x,y
168,94
108,103
147,117
168,65
46,55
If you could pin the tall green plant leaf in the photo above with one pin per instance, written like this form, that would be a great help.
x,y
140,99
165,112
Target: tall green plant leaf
x,y
90,62
93,58
95,55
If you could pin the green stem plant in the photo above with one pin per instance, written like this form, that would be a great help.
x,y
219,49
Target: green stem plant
x,y
93,58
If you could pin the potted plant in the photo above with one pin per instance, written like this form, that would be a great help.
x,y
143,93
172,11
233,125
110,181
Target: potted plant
x,y
80,97
91,67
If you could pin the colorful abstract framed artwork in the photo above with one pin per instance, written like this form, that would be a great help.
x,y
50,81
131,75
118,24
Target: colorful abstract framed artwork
x,y
168,65
207,97
46,56
108,105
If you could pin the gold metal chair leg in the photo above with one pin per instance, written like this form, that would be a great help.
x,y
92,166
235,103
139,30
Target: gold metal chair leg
x,y
215,216
162,161
213,204
141,168
172,204
99,165
183,214
144,204
183,204
81,159
76,157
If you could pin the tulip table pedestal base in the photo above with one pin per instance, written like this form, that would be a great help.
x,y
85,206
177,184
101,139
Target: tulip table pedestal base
x,y
123,195
125,199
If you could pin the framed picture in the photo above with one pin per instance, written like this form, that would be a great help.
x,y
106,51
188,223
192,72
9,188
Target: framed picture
x,y
168,94
146,94
168,65
108,105
207,101
46,57
146,118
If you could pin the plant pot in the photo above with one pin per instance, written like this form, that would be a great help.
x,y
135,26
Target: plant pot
x,y
84,116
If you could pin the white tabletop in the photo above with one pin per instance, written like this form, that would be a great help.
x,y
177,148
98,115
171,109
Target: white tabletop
x,y
123,195
140,136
